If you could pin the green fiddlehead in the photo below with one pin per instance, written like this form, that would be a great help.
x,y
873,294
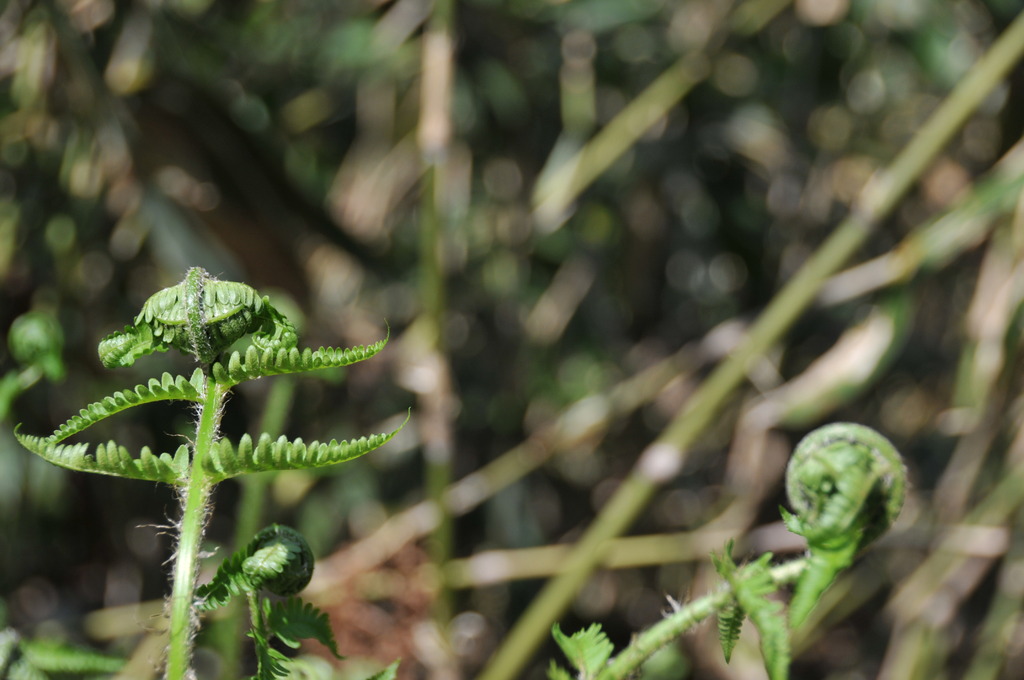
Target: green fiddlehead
x,y
846,484
278,559
201,316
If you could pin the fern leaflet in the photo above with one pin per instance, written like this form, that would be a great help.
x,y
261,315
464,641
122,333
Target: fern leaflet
x,y
227,460
751,587
111,459
168,387
294,620
256,363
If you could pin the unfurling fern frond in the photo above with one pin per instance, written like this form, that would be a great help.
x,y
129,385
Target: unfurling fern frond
x,y
846,483
200,316
111,459
167,388
227,460
294,620
257,363
204,317
277,559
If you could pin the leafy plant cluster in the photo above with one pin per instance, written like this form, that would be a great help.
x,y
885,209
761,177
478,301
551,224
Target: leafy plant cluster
x,y
204,317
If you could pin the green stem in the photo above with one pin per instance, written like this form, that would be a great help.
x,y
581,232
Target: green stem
x,y
665,457
195,505
671,627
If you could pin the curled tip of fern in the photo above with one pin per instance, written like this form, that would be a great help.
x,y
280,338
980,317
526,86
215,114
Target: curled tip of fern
x,y
297,569
846,483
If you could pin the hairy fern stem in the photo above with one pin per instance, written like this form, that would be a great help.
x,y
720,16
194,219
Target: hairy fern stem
x,y
195,497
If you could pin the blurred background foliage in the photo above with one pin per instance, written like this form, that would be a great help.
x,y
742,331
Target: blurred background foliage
x,y
566,212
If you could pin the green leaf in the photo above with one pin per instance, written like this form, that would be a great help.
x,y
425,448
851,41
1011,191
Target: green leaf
x,y
200,316
294,620
270,663
751,586
112,459
389,673
730,622
730,617
259,362
588,650
556,672
167,388
52,656
227,460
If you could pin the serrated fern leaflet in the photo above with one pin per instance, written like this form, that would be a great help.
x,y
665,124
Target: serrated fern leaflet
x,y
255,363
751,585
227,459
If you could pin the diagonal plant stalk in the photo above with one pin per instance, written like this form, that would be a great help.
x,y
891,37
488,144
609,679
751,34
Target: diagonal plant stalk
x,y
663,459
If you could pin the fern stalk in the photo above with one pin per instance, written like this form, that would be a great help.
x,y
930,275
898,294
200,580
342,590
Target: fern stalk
x,y
644,645
195,509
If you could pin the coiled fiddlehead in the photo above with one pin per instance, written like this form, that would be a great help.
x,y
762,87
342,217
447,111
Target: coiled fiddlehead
x,y
200,316
846,484
278,559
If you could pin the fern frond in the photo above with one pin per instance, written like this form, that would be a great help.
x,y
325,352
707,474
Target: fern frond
x,y
255,363
294,620
225,460
587,650
270,663
52,656
167,388
278,558
751,585
730,622
111,459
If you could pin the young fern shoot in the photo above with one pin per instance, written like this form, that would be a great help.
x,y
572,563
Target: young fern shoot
x,y
203,317
847,484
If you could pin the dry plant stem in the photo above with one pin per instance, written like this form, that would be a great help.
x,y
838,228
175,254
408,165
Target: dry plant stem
x,y
662,460
436,402
916,593
936,243
627,662
992,649
195,507
497,566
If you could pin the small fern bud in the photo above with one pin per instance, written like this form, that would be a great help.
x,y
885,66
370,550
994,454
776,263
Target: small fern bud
x,y
281,560
846,483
